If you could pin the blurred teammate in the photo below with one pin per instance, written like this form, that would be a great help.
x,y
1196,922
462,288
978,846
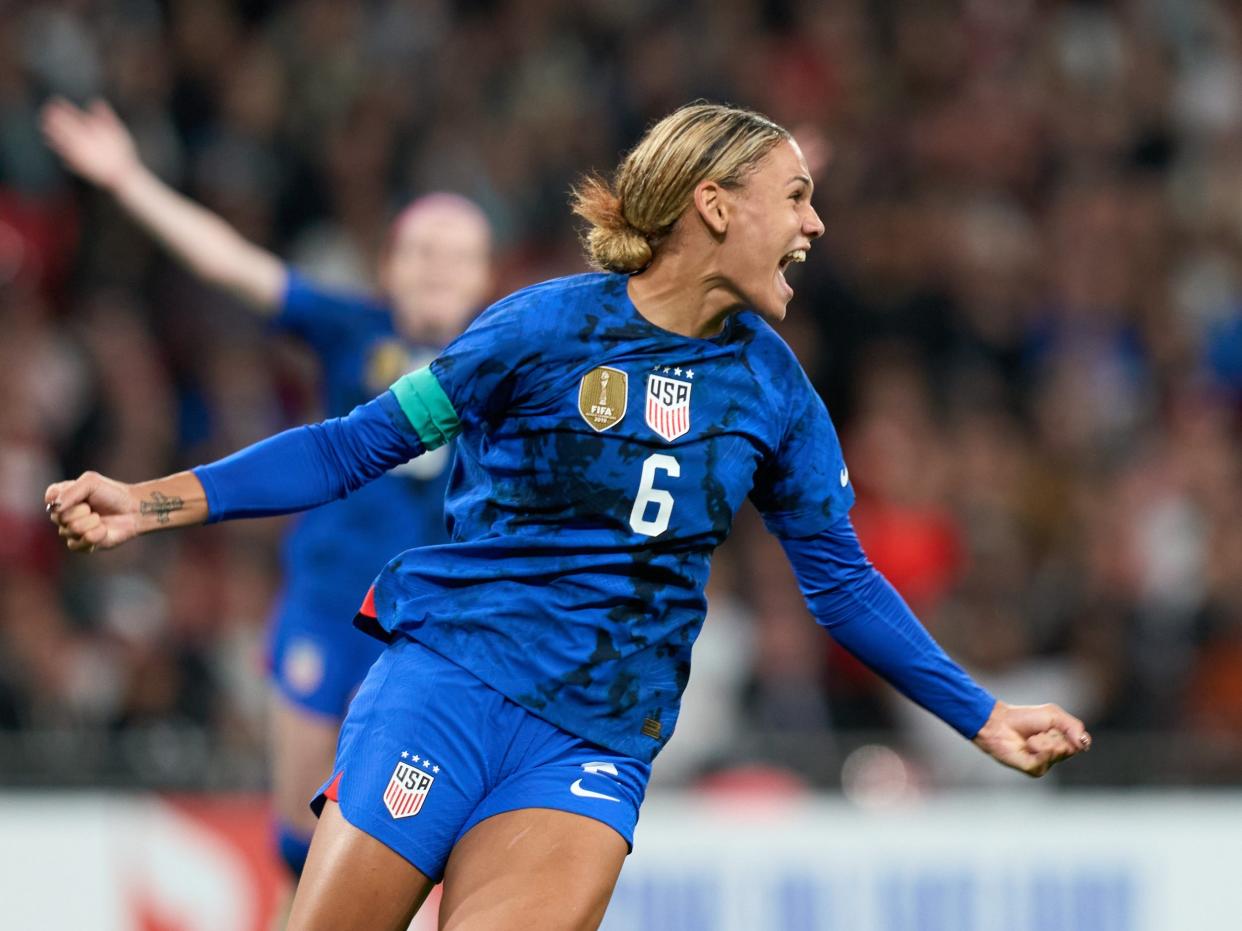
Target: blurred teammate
x,y
435,275
609,427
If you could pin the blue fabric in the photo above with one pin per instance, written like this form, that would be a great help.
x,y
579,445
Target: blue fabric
x,y
864,614
309,466
333,553
574,582
422,722
359,354
293,848
349,333
1222,350
317,661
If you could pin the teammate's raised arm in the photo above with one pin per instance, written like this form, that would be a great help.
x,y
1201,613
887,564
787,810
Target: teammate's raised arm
x,y
95,145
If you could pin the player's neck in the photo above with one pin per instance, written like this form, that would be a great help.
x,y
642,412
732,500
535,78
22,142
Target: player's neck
x,y
676,294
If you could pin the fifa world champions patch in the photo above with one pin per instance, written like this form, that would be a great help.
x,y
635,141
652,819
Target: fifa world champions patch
x,y
409,785
602,397
668,401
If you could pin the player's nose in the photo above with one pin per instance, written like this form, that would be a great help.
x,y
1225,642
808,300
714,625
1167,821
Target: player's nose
x,y
813,226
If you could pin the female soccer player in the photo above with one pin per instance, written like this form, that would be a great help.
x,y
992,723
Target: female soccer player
x,y
435,274
609,427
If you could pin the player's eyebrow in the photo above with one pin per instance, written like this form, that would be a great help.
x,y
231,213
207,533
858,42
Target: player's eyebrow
x,y
804,180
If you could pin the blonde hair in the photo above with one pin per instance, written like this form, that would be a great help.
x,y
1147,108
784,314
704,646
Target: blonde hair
x,y
655,181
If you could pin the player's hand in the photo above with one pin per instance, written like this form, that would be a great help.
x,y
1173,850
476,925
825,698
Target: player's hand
x,y
93,143
93,512
1032,738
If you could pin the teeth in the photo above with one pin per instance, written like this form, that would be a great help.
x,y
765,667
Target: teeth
x,y
798,255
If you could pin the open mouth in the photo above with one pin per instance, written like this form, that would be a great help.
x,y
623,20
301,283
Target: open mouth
x,y
797,255
789,258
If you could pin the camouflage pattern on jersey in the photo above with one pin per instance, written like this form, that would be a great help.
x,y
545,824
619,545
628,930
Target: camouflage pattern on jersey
x,y
574,580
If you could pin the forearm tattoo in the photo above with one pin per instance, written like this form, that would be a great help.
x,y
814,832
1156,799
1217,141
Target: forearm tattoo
x,y
161,505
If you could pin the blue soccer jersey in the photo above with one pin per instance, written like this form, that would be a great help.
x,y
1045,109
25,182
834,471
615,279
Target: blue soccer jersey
x,y
601,460
333,553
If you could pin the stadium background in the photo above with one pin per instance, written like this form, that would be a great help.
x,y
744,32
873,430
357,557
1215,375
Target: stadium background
x,y
1025,316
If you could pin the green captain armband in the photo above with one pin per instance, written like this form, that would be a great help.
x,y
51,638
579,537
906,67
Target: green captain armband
x,y
427,407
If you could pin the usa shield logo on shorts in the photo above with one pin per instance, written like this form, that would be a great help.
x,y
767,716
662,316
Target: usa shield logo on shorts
x,y
668,405
407,789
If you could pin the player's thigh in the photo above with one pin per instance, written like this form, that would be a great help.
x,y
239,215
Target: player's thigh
x,y
351,880
303,745
531,868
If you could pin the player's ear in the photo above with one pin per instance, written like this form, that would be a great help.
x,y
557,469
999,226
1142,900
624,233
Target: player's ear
x,y
711,202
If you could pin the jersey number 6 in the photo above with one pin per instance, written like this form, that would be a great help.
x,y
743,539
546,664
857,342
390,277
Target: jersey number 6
x,y
648,494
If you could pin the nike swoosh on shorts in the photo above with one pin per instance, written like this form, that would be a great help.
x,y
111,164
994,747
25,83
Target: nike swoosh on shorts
x,y
576,789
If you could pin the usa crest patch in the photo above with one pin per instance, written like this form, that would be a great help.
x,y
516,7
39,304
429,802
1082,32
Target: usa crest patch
x,y
407,789
668,405
602,397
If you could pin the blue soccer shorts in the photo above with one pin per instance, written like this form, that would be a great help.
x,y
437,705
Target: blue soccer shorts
x,y
317,658
427,751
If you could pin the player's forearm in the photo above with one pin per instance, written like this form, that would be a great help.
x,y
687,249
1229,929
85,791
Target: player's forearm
x,y
309,466
201,240
874,623
865,615
170,502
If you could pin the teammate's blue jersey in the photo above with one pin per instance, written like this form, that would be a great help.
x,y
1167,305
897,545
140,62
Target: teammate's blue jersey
x,y
601,460
334,552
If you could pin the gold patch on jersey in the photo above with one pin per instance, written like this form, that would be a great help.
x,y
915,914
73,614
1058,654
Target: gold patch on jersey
x,y
602,397
651,728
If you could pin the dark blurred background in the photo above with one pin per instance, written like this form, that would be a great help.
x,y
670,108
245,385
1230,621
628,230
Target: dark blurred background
x,y
1025,317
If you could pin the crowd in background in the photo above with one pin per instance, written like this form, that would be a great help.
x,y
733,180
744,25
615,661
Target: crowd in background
x,y
1025,317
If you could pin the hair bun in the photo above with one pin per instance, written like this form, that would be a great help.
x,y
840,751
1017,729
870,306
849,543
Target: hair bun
x,y
622,249
613,243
